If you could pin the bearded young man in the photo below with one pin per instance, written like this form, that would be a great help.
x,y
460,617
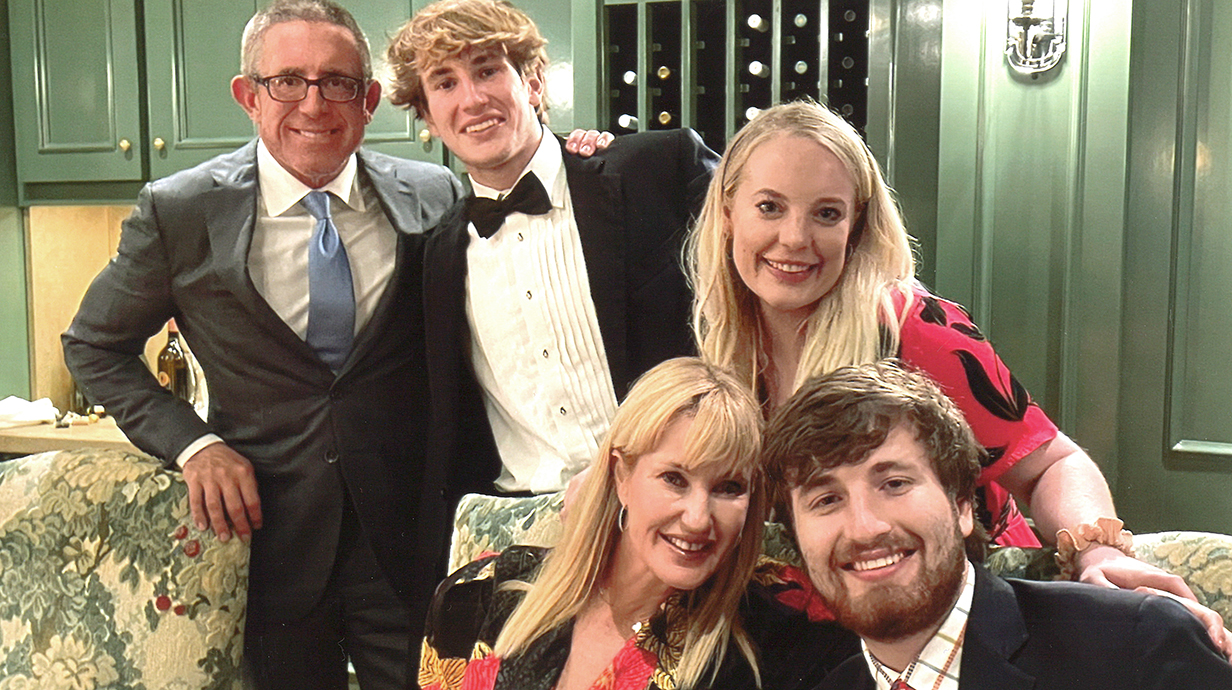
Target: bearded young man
x,y
879,471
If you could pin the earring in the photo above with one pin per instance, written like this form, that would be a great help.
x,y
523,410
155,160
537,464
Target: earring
x,y
622,517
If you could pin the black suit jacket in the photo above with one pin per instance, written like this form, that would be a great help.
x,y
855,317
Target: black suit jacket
x,y
633,204
313,438
1060,635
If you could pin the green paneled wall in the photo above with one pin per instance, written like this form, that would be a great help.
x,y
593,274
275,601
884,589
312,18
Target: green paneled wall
x,y
1175,376
1030,206
14,346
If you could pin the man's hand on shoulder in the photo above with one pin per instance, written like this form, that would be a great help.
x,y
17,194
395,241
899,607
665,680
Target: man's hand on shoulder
x,y
587,142
222,492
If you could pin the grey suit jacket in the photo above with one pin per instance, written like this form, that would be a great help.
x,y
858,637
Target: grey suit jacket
x,y
314,438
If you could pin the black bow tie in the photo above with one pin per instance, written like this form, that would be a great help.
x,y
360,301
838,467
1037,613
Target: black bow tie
x,y
527,196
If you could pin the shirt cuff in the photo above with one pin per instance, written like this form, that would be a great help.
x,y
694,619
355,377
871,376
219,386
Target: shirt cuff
x,y
191,450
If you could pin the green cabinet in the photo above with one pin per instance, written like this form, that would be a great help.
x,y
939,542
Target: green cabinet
x,y
392,130
192,50
106,96
76,96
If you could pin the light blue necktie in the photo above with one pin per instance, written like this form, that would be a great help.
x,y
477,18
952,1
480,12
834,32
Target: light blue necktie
x,y
331,297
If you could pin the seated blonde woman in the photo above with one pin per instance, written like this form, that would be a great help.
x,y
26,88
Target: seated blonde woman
x,y
643,591
801,264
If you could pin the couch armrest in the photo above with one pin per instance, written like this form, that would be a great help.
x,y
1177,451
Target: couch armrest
x,y
105,583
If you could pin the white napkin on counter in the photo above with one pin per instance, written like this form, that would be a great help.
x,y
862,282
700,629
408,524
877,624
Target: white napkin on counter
x,y
15,411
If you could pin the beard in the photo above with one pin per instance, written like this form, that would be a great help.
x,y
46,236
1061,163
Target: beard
x,y
889,612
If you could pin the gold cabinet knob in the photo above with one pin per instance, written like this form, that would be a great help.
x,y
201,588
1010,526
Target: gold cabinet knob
x,y
424,135
125,145
159,144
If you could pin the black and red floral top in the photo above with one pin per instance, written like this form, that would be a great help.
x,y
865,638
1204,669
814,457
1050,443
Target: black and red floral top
x,y
939,339
797,638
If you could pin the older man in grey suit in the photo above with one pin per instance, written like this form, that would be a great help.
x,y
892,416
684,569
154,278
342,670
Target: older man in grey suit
x,y
294,268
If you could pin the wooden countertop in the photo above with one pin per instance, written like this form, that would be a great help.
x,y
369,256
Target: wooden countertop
x,y
43,437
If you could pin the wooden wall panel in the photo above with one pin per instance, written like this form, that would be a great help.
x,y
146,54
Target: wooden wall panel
x,y
66,247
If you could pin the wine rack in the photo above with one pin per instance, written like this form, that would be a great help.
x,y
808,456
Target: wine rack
x,y
712,65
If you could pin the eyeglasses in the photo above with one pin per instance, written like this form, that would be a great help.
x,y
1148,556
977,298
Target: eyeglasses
x,y
290,88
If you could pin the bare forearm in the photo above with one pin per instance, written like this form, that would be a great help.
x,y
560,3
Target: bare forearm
x,y
1070,491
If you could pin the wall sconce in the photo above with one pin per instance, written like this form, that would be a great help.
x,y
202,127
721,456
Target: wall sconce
x,y
1036,35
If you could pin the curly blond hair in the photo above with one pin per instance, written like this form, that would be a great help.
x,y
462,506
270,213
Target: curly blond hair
x,y
446,29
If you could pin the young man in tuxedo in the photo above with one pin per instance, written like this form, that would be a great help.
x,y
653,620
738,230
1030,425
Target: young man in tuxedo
x,y
559,281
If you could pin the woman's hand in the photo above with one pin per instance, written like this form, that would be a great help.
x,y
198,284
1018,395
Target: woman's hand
x,y
1213,623
1108,567
587,142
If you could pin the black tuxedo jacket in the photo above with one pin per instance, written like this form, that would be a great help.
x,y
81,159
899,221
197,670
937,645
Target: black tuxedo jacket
x,y
1063,635
633,204
313,438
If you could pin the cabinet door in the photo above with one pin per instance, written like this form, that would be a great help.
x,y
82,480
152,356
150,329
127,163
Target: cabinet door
x,y
393,131
75,97
192,52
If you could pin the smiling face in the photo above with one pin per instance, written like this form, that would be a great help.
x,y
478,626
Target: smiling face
x,y
484,111
312,138
789,221
682,522
882,541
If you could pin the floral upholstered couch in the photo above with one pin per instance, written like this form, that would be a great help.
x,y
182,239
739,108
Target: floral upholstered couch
x,y
105,583
492,523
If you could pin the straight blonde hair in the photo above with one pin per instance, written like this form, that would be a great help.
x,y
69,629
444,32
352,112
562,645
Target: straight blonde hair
x,y
848,323
726,432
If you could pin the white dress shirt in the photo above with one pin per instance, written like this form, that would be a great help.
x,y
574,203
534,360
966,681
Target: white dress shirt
x,y
278,254
535,341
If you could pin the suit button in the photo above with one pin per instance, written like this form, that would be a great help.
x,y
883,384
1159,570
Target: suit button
x,y
331,457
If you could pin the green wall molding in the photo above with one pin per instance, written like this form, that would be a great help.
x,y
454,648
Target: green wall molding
x,y
1031,206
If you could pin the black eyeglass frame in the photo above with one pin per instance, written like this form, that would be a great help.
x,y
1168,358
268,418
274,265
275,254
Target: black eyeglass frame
x,y
359,85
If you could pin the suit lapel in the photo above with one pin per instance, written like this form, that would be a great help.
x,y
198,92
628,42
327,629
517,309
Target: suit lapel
x,y
399,201
995,633
231,215
445,287
852,674
598,211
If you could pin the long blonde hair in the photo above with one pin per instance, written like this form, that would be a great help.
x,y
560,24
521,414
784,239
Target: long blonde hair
x,y
726,431
846,326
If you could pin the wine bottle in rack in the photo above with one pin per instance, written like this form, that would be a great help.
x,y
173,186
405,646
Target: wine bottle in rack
x,y
710,70
623,66
664,22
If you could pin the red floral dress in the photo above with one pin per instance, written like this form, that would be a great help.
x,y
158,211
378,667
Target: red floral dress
x,y
939,339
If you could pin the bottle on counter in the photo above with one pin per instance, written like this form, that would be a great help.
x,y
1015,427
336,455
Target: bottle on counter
x,y
174,372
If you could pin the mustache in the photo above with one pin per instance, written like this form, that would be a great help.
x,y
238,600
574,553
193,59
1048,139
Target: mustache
x,y
849,551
